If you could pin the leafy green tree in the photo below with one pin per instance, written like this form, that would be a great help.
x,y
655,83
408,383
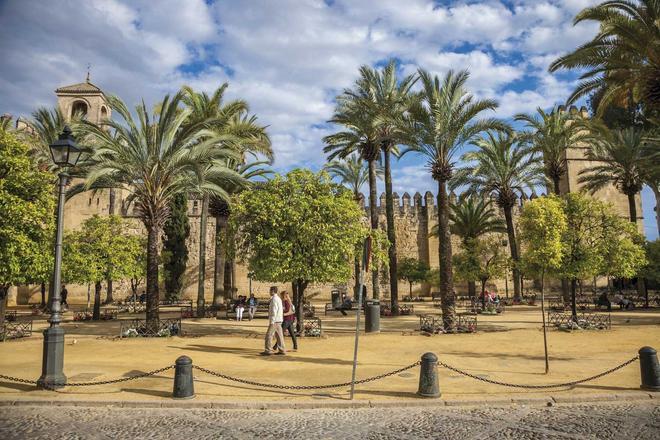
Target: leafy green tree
x,y
352,173
300,228
481,259
175,251
504,168
542,224
651,271
26,223
447,118
596,241
413,271
623,58
153,159
100,250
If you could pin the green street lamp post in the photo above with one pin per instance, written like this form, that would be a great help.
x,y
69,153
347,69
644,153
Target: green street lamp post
x,y
65,154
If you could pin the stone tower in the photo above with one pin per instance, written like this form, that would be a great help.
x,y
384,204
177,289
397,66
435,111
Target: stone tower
x,y
576,161
87,99
84,98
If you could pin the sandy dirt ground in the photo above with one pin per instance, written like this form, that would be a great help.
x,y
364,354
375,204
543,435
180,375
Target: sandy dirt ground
x,y
508,347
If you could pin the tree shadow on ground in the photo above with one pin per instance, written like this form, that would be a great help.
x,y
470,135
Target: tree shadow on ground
x,y
252,353
500,355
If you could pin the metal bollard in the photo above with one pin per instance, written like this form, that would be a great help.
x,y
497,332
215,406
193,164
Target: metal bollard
x,y
428,376
648,365
183,379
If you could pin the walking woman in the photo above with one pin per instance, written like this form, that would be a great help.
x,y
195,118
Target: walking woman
x,y
289,313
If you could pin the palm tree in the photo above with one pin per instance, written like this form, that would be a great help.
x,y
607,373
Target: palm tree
x,y
352,173
550,135
234,130
220,209
620,161
386,100
152,159
623,58
503,168
651,170
471,217
444,121
359,136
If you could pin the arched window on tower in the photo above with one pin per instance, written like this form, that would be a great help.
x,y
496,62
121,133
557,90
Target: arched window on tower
x,y
104,113
79,109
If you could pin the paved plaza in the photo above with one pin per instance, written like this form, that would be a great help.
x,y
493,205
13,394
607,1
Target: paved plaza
x,y
630,420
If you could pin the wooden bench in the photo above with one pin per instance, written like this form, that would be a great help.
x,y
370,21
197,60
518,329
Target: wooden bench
x,y
262,310
11,315
330,308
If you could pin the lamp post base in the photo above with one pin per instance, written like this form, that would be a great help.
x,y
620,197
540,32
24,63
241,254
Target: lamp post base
x,y
52,365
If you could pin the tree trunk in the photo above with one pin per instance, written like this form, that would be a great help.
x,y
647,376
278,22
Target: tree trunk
x,y
201,275
656,193
545,340
111,210
219,261
508,215
153,295
573,304
555,184
299,287
227,281
373,214
444,252
43,295
410,284
391,234
96,315
4,294
483,294
472,289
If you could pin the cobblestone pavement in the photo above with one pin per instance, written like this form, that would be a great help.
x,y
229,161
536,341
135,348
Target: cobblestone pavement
x,y
620,420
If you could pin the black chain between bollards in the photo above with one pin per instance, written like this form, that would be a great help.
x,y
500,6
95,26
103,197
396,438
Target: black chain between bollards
x,y
303,387
84,384
536,387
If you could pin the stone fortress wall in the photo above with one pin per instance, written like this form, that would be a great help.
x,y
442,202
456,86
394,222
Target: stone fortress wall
x,y
415,217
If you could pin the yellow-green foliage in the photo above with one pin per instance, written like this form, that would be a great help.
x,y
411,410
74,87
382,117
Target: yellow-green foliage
x,y
542,224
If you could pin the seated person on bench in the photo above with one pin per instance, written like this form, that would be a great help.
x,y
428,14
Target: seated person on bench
x,y
622,302
603,300
346,304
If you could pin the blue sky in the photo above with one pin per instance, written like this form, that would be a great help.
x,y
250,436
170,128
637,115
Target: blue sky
x,y
289,58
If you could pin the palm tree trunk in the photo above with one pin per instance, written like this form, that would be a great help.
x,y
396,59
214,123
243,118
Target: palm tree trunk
x,y
152,275
227,281
201,275
373,213
96,315
111,210
555,184
444,252
632,207
391,234
356,287
508,215
219,261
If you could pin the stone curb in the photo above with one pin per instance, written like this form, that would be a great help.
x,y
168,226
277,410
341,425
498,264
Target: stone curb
x,y
338,404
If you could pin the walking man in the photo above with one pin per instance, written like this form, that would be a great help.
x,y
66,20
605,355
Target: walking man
x,y
275,318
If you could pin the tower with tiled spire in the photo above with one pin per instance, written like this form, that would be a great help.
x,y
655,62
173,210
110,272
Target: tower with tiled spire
x,y
84,98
